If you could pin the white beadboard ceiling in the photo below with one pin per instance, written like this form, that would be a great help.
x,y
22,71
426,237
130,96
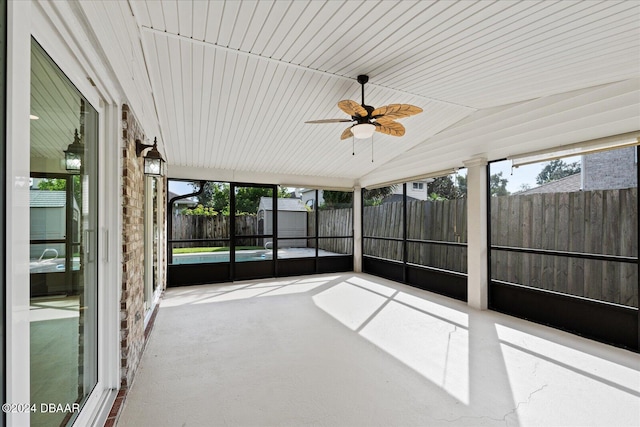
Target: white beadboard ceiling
x,y
56,105
234,81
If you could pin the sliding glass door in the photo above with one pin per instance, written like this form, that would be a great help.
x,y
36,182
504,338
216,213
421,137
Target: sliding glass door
x,y
63,261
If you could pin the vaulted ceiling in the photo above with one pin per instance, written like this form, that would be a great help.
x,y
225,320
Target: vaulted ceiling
x,y
232,82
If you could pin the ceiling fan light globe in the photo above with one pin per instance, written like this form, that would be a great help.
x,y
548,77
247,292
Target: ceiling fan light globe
x,y
363,130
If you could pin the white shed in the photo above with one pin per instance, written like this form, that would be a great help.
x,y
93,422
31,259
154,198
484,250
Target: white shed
x,y
48,216
292,221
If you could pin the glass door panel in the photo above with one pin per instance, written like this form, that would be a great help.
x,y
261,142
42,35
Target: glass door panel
x,y
63,212
253,243
199,232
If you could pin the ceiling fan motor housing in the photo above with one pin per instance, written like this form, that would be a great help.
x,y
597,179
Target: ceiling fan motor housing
x,y
367,118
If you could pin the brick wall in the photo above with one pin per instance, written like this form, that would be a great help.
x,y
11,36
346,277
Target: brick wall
x,y
132,309
610,169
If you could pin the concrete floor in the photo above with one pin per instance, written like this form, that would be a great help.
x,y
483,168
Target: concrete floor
x,y
54,339
356,350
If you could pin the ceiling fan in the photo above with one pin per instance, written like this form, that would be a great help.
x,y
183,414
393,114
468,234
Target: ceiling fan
x,y
367,119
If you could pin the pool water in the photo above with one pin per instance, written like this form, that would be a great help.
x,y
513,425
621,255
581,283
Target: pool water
x,y
52,265
208,257
255,255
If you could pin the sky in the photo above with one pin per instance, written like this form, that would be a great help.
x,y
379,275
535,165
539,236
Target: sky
x,y
524,174
180,187
516,177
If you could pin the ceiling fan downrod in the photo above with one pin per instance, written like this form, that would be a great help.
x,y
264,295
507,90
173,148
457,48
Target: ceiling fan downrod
x,y
363,79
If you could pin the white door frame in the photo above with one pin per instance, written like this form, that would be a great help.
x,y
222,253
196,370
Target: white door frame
x,y
47,28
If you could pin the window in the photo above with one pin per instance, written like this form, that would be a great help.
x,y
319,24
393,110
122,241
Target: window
x,y
418,185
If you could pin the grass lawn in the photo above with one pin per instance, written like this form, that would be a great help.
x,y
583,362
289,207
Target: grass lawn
x,y
212,249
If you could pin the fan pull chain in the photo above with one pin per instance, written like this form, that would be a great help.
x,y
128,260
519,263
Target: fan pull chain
x,y
371,148
353,145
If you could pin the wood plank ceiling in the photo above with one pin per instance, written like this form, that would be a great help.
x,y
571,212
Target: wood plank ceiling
x,y
55,111
234,81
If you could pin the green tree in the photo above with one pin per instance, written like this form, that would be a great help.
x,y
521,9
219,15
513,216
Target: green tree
x,y
199,211
461,181
53,184
443,188
216,196
375,196
557,169
248,198
60,184
336,199
497,184
434,197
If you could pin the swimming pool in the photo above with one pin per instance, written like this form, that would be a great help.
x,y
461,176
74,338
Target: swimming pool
x,y
242,256
208,257
52,265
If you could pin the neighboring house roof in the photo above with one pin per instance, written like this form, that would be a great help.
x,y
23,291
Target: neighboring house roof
x,y
47,198
567,184
186,202
310,192
293,205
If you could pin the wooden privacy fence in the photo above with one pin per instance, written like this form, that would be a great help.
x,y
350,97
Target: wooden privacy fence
x,y
331,223
442,220
213,228
334,222
594,222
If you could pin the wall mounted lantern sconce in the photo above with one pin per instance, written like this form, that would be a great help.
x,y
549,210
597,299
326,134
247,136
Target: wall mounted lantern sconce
x,y
153,161
73,155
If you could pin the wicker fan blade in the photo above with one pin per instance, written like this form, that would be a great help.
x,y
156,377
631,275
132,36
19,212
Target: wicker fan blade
x,y
384,120
352,108
390,128
396,111
347,133
329,121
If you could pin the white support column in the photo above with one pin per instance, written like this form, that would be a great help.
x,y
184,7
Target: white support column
x,y
357,230
477,251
